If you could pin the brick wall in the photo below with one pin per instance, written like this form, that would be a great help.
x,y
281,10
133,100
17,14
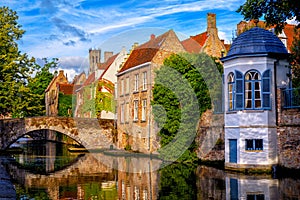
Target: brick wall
x,y
288,132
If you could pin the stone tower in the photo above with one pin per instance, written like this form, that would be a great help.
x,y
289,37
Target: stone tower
x,y
94,59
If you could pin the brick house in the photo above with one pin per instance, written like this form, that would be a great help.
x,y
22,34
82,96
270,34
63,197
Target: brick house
x,y
207,42
136,126
58,84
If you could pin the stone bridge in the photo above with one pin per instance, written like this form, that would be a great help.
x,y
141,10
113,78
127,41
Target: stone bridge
x,y
89,132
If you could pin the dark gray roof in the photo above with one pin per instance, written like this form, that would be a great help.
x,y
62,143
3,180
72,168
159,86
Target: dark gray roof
x,y
256,41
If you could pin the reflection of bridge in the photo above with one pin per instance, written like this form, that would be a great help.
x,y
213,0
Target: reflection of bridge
x,y
86,168
91,133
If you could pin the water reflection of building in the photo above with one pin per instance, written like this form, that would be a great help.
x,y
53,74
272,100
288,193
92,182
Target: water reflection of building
x,y
216,184
251,187
142,185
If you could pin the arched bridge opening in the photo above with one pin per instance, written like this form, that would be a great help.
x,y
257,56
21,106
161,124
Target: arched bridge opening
x,y
90,133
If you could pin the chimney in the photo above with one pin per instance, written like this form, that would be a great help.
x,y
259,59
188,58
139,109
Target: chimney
x,y
211,22
107,55
152,36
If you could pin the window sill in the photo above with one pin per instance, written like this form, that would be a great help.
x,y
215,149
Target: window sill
x,y
135,92
143,121
249,151
135,121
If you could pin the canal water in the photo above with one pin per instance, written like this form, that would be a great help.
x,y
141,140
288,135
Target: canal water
x,y
49,170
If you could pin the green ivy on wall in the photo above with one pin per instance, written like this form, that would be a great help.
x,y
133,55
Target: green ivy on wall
x,y
88,100
65,105
105,100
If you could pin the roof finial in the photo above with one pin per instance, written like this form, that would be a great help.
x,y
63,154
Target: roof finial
x,y
256,22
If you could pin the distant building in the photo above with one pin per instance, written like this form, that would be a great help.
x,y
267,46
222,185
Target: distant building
x,y
107,86
136,126
58,84
207,42
96,93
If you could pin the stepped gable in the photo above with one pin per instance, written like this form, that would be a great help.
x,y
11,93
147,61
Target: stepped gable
x,y
145,52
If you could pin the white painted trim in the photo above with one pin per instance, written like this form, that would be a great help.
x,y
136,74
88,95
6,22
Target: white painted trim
x,y
134,68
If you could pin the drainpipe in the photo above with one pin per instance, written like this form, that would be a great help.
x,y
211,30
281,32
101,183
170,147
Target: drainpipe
x,y
275,81
149,116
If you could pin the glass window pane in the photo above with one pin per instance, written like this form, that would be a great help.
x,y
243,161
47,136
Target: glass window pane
x,y
257,103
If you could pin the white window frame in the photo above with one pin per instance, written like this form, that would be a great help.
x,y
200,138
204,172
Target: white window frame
x,y
136,82
122,87
127,112
127,89
144,109
122,114
144,80
135,110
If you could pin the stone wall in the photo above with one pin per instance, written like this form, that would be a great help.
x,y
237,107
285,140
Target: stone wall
x,y
210,137
288,132
289,139
91,133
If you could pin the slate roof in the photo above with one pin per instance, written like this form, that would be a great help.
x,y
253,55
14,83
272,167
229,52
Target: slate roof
x,y
256,41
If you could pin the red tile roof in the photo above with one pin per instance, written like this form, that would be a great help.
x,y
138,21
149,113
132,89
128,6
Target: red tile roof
x,y
195,43
109,61
66,88
145,52
90,79
290,33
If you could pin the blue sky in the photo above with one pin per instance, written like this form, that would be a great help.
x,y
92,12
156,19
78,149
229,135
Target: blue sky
x,y
66,29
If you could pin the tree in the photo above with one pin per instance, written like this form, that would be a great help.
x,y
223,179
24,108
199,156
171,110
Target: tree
x,y
37,85
275,12
183,89
15,67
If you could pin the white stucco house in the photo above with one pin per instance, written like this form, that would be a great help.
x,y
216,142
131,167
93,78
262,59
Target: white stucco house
x,y
254,69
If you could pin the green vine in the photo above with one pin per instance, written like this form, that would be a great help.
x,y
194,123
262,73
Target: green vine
x,y
89,100
104,99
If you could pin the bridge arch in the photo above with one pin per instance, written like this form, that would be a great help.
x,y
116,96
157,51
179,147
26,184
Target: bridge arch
x,y
91,133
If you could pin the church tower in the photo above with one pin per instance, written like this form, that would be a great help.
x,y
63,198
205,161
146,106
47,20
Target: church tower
x,y
94,59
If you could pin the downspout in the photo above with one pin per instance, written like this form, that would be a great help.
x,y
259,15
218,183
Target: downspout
x,y
275,81
149,116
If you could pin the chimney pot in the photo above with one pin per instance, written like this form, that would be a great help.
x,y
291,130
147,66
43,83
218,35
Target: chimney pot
x,y
152,36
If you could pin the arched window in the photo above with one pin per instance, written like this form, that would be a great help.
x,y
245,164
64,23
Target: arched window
x,y
231,82
253,90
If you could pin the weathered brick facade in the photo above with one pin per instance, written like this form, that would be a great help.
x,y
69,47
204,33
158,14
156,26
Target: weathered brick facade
x,y
288,133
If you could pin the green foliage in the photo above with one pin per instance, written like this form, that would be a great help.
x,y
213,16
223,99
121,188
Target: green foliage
x,y
178,181
104,100
65,105
274,12
21,94
183,90
295,59
38,84
15,68
89,100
